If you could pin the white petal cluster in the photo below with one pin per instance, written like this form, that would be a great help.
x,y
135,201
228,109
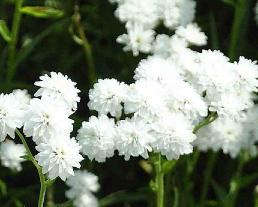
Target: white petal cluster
x,y
47,121
58,156
142,17
59,86
82,186
229,135
106,97
167,100
97,138
11,115
11,155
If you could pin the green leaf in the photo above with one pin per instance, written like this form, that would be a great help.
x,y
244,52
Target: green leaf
x,y
168,165
219,191
18,203
3,188
123,196
4,31
42,12
229,2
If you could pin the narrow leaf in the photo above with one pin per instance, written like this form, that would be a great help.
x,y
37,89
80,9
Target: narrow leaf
x,y
4,31
42,12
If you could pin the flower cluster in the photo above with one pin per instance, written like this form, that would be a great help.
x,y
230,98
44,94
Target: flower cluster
x,y
46,120
82,186
158,112
142,17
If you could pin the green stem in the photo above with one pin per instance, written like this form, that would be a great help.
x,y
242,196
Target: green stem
x,y
210,118
92,76
43,186
207,176
239,27
11,64
234,184
159,179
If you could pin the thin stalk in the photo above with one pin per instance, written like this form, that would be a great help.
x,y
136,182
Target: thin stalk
x,y
159,179
212,117
207,176
92,76
239,27
234,184
11,64
43,186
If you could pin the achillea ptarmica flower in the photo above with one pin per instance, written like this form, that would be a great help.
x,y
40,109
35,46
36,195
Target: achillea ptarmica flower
x,y
59,86
97,138
11,155
11,115
58,156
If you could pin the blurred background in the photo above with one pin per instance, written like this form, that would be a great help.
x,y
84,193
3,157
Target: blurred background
x,y
51,44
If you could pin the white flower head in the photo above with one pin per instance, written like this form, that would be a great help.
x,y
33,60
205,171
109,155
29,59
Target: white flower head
x,y
107,96
97,138
11,115
83,182
140,12
133,138
23,97
145,99
58,156
86,200
45,118
158,69
11,153
139,39
176,12
248,74
174,135
58,86
192,34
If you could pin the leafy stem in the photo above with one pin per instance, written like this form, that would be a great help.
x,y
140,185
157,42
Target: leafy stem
x,y
43,182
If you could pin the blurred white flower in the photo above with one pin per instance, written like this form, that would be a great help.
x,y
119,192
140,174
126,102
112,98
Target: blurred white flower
x,y
138,39
11,115
10,155
83,182
23,97
86,200
192,34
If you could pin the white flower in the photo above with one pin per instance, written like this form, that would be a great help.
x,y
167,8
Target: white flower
x,y
138,39
23,97
176,12
86,200
225,134
133,138
97,138
158,69
11,153
174,136
58,156
46,118
106,97
59,86
192,33
83,182
183,98
11,116
248,74
140,12
146,99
